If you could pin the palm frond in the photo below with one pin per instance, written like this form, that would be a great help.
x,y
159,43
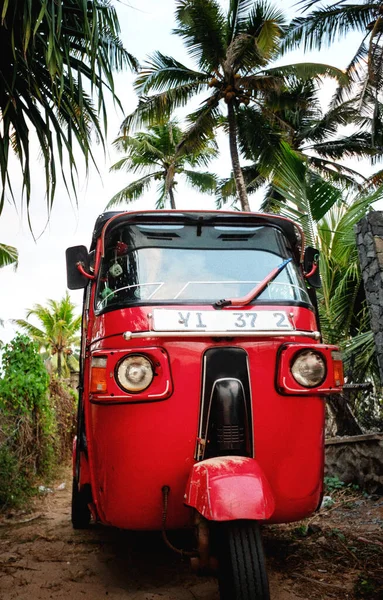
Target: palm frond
x,y
336,173
357,73
325,126
203,156
306,71
159,107
162,72
357,144
201,125
268,25
259,139
8,256
203,27
308,196
227,191
359,355
34,332
206,183
133,191
237,17
326,24
162,194
48,49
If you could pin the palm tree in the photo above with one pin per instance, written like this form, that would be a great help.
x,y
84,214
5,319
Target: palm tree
x,y
293,115
8,256
53,57
232,52
328,219
58,334
154,153
324,25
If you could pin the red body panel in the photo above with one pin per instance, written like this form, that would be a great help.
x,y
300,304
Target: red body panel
x,y
229,488
135,449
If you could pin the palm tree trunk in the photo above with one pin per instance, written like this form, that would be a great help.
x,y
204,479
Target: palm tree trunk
x,y
171,196
59,363
238,175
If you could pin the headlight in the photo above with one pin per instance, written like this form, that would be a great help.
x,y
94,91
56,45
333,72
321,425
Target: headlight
x,y
309,368
135,373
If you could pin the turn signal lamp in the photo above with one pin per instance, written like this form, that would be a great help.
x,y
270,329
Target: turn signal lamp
x,y
98,375
338,367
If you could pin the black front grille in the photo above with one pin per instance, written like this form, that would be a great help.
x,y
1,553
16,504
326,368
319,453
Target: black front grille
x,y
226,415
230,437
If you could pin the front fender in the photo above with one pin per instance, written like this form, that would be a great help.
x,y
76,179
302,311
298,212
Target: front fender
x,y
227,488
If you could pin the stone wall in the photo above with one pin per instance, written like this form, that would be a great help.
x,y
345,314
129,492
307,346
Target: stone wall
x,y
357,459
369,233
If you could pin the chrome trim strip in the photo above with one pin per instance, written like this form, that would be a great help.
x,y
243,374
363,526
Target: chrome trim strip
x,y
202,404
131,335
251,406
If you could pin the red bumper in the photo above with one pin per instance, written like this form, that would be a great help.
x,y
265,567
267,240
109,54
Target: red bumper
x,y
229,488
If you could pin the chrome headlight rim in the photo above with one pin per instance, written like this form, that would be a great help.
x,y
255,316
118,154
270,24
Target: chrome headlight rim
x,y
301,354
120,378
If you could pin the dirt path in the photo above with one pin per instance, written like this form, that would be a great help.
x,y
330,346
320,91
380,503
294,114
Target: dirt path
x,y
44,558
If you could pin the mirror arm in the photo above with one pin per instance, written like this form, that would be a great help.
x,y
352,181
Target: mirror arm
x,y
80,267
313,270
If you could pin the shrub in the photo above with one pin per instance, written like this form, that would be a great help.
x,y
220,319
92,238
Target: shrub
x,y
27,421
64,402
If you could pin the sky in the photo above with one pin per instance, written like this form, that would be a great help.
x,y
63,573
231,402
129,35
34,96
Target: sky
x,y
146,26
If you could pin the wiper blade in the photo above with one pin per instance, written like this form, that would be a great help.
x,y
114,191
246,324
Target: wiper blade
x,y
255,292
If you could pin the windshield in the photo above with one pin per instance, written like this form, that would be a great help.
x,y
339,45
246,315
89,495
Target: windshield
x,y
157,264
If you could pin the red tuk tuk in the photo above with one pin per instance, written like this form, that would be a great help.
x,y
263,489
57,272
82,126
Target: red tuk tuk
x,y
203,379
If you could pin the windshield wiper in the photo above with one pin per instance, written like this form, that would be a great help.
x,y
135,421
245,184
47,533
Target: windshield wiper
x,y
255,292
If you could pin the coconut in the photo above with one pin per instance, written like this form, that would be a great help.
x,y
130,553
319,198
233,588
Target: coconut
x,y
229,96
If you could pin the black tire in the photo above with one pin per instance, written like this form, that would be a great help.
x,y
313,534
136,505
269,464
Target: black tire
x,y
80,510
242,571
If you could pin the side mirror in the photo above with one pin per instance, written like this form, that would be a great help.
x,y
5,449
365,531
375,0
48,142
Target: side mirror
x,y
77,278
311,267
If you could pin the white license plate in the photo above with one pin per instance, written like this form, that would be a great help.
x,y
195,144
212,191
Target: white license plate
x,y
207,320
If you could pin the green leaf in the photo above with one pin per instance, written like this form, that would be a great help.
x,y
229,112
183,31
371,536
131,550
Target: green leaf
x,y
8,255
48,50
203,27
306,71
133,191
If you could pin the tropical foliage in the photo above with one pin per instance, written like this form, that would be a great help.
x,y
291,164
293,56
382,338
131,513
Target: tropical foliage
x,y
232,52
328,216
53,57
25,420
155,155
8,255
325,24
294,115
58,334
36,422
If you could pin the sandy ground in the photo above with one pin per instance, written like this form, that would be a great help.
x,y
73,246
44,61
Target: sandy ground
x,y
336,554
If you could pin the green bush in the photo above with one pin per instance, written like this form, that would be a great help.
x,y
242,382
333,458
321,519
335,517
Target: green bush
x,y
16,485
28,425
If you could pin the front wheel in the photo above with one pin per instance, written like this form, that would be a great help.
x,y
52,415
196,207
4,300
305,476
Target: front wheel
x,y
242,571
80,510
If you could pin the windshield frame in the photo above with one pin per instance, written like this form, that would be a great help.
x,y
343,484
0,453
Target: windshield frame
x,y
284,251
